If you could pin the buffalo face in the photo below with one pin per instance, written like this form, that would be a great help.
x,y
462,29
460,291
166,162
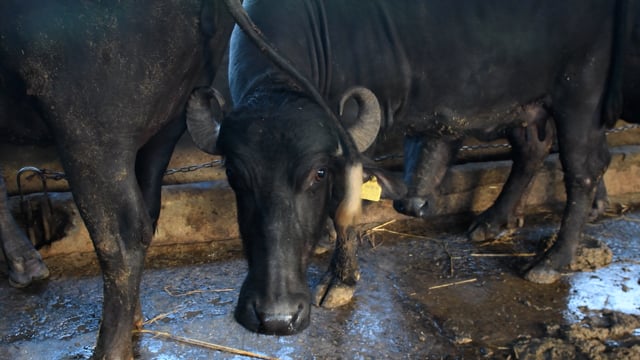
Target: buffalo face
x,y
285,164
280,164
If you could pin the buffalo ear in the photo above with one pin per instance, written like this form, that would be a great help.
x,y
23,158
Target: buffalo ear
x,y
393,187
204,113
367,124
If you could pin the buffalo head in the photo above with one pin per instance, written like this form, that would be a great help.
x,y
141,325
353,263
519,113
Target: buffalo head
x,y
285,163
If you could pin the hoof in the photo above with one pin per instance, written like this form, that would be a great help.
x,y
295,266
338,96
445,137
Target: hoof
x,y
138,320
325,245
328,240
492,227
598,209
516,222
332,293
541,274
480,232
23,272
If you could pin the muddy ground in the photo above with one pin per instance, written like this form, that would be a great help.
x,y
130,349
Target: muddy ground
x,y
424,293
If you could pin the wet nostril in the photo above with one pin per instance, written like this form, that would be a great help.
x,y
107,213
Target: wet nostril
x,y
282,320
423,210
399,206
296,316
414,206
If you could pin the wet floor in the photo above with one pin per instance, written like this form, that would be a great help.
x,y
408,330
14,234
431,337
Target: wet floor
x,y
423,293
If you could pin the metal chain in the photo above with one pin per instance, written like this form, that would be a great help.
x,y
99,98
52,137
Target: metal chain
x,y
623,128
484,146
507,146
57,175
191,168
50,174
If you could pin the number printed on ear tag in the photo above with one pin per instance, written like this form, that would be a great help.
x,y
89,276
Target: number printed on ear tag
x,y
371,190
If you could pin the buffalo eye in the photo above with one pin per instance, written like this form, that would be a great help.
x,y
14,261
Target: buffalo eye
x,y
315,177
321,174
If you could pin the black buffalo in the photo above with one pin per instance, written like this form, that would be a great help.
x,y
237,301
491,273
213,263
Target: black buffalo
x,y
531,144
111,80
440,70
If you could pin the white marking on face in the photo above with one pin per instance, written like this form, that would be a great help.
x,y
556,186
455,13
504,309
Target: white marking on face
x,y
350,208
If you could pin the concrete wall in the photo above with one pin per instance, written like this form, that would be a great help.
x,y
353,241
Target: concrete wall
x,y
198,208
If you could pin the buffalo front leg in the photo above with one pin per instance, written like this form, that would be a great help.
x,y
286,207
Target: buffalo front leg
x,y
337,286
111,205
24,261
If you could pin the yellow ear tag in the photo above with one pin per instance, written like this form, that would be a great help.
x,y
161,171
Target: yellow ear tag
x,y
371,190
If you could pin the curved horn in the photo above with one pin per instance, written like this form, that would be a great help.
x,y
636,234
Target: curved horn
x,y
365,129
353,166
255,35
204,110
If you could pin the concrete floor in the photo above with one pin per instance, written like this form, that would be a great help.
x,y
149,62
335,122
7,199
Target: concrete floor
x,y
396,314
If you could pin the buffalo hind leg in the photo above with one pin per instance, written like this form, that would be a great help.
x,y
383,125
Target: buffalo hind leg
x,y
109,200
530,145
24,261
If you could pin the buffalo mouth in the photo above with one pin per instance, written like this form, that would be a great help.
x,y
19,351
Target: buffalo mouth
x,y
414,206
288,315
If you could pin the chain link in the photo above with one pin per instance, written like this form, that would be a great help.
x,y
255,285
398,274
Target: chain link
x,y
507,146
50,174
484,146
191,168
622,128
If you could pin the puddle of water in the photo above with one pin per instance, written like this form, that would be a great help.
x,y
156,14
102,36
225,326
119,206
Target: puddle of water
x,y
614,288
